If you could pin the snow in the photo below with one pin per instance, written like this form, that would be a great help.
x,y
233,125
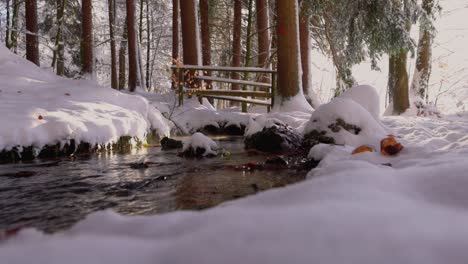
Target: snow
x,y
198,140
351,210
293,104
449,75
193,116
366,96
372,131
39,108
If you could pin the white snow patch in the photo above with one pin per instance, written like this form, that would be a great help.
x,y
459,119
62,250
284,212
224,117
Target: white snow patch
x,y
371,133
367,97
198,140
40,108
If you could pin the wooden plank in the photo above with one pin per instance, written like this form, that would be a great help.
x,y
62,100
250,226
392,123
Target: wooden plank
x,y
239,99
221,68
227,80
240,93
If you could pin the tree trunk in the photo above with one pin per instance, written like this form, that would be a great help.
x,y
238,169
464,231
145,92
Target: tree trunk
x,y
111,7
148,46
263,34
14,26
422,73
132,47
7,33
32,41
190,34
87,37
175,38
400,82
140,25
205,37
122,58
289,65
236,43
57,57
304,35
190,38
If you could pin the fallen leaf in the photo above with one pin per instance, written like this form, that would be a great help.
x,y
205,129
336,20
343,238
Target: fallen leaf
x,y
389,146
361,149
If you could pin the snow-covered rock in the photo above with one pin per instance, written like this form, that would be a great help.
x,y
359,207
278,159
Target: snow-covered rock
x,y
366,96
199,145
344,122
273,136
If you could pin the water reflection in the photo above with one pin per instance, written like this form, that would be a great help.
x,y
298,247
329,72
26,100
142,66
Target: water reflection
x,y
61,192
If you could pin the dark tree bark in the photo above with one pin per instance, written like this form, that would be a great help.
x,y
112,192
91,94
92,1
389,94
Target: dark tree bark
x,y
140,25
304,35
14,26
398,82
263,34
87,37
111,7
236,43
289,65
132,47
205,37
148,46
175,37
420,84
58,54
32,41
190,38
7,33
175,31
122,58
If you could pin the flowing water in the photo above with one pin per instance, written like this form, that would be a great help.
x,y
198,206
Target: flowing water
x,y
54,194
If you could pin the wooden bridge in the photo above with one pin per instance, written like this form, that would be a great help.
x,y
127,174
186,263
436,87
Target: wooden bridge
x,y
190,78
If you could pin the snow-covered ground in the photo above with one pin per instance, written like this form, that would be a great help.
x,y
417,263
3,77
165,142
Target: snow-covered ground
x,y
352,209
363,208
39,108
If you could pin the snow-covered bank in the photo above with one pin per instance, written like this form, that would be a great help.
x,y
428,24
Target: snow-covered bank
x,y
363,208
38,108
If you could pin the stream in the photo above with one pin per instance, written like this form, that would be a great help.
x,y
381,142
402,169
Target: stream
x,y
52,195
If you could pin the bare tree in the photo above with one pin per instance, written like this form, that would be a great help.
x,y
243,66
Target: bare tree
x,y
32,41
263,25
87,37
132,47
236,43
111,6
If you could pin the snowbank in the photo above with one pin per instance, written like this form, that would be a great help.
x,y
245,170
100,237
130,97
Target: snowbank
x,y
353,210
363,128
367,97
40,108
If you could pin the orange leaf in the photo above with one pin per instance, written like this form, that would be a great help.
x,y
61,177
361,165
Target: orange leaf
x,y
389,146
361,149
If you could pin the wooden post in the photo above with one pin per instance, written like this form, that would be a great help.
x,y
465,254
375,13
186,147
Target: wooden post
x,y
273,88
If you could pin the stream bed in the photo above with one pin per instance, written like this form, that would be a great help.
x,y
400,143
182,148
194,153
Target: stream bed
x,y
52,195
